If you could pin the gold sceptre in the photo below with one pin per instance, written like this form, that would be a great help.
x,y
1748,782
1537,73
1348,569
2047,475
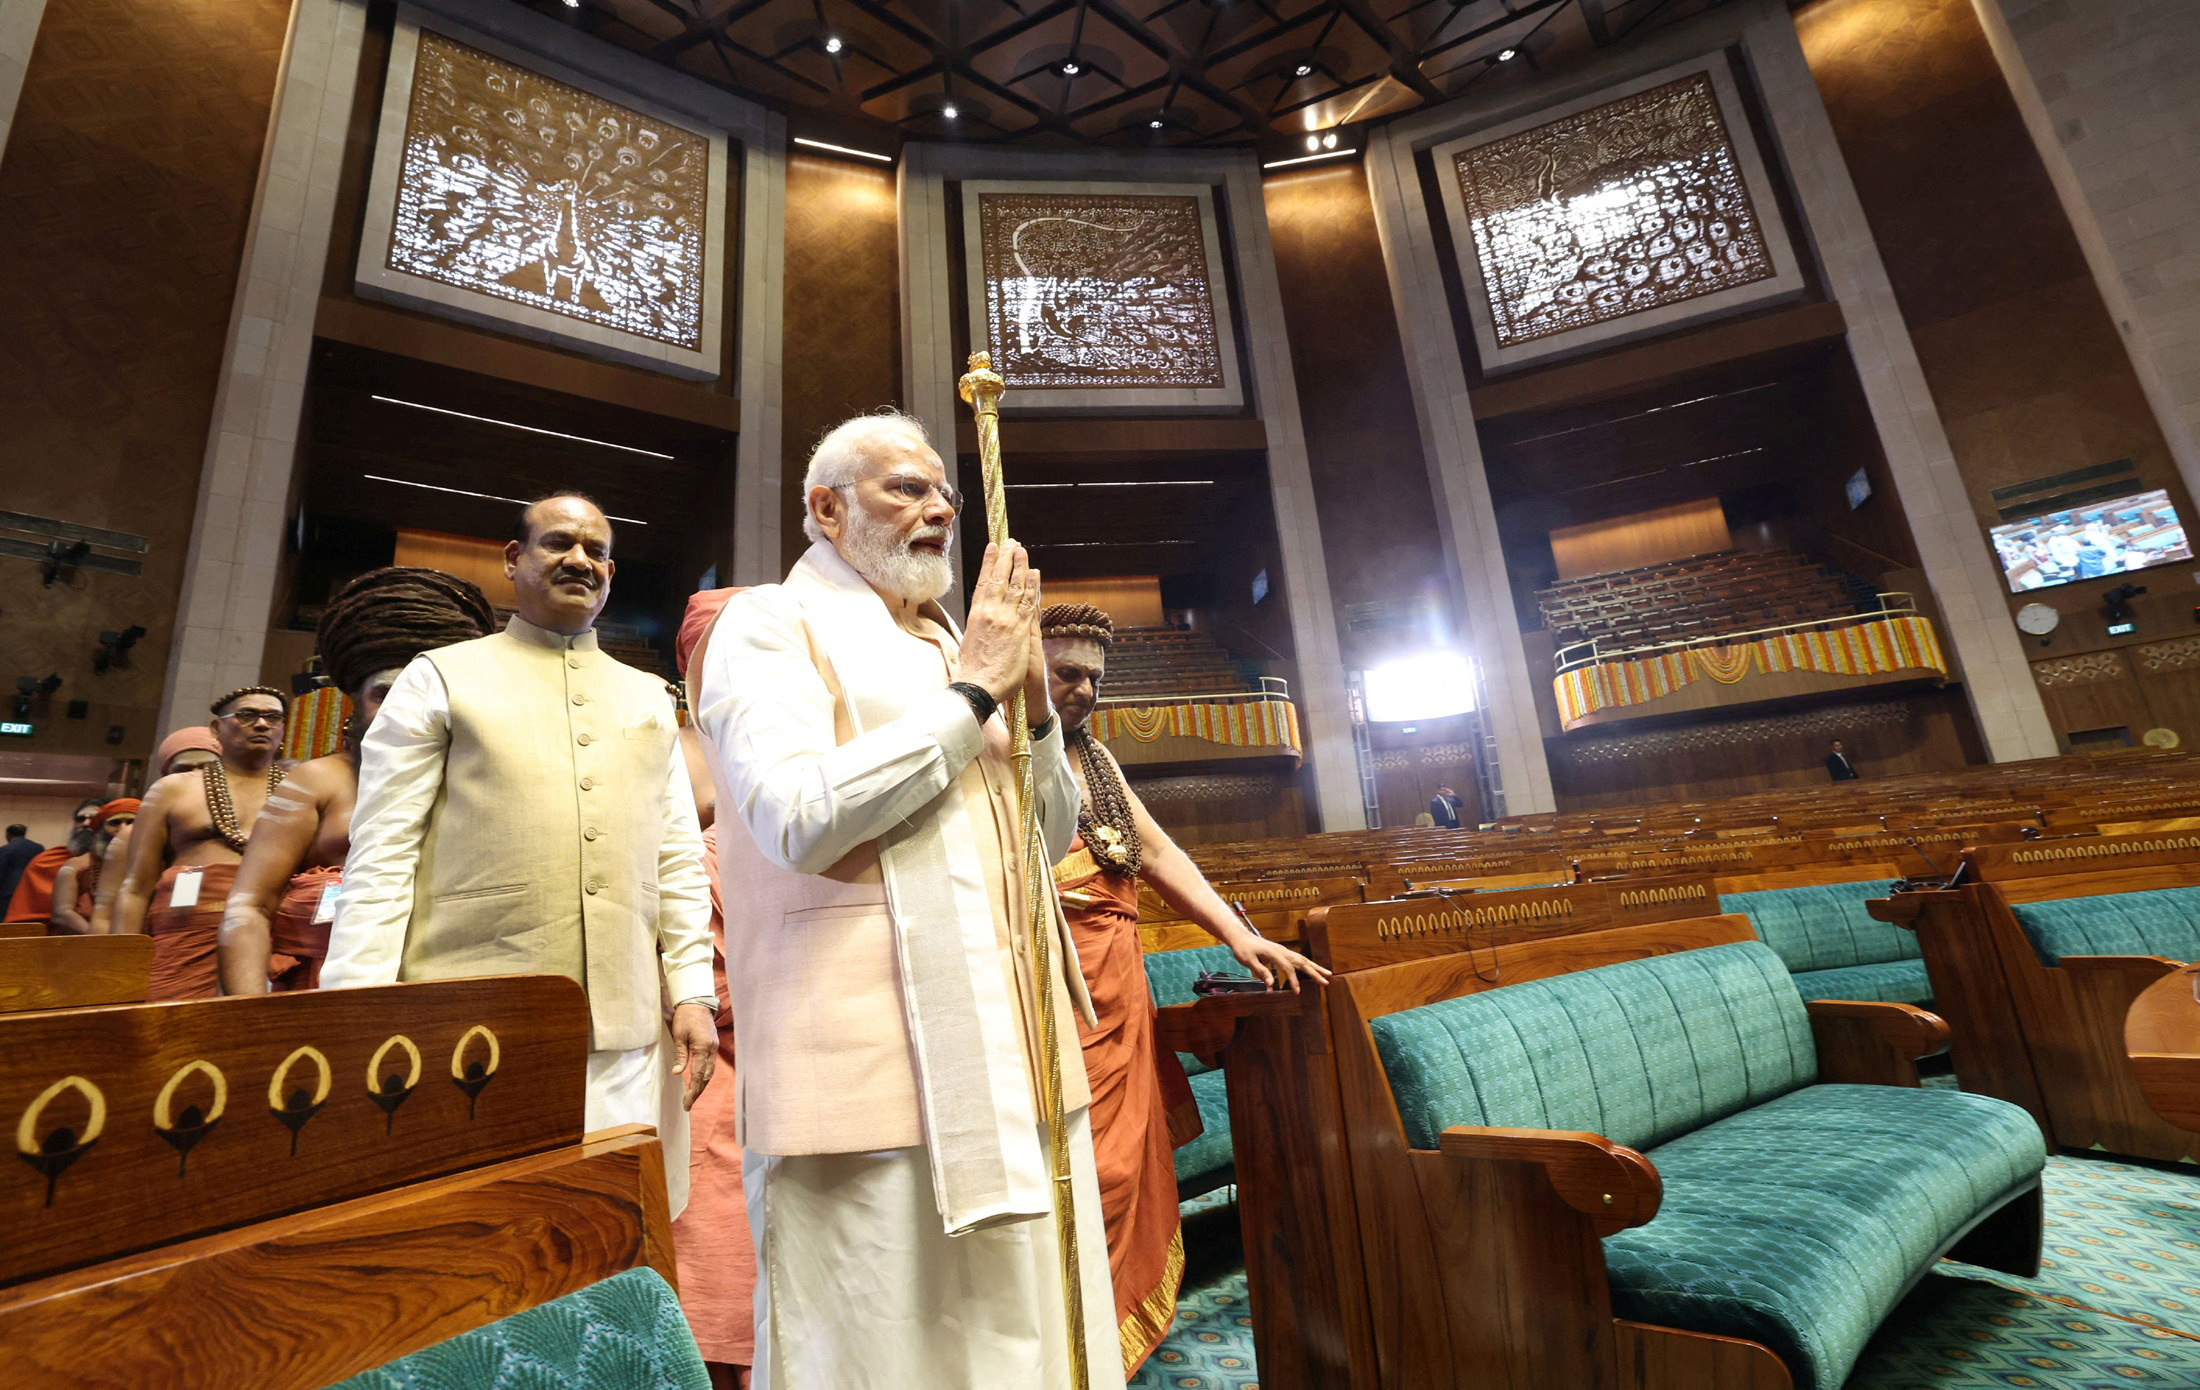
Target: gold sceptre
x,y
981,389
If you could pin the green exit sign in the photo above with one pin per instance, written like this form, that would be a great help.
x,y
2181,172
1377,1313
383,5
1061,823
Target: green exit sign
x,y
19,730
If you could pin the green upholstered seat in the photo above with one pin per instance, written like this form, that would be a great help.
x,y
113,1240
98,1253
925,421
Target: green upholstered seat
x,y
1170,976
1640,1052
2161,922
625,1333
1206,1157
1831,944
1894,981
1795,1214
1801,1222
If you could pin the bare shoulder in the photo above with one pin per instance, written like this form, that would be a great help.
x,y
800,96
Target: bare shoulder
x,y
176,786
321,777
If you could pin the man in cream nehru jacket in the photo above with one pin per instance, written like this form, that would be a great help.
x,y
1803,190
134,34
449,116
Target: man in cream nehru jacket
x,y
524,808
879,953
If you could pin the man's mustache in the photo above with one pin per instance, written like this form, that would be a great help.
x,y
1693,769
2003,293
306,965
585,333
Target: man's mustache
x,y
945,535
587,577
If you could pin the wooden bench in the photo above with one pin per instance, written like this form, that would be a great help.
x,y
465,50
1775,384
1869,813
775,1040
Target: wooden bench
x,y
1484,1209
2041,1025
73,972
281,1191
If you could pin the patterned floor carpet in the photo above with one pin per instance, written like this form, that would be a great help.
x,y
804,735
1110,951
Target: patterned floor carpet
x,y
2117,1301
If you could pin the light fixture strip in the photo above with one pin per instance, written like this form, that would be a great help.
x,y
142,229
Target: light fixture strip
x,y
1103,545
1156,482
530,429
1308,158
485,496
843,149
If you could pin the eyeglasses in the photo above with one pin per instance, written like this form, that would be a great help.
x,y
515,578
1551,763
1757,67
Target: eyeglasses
x,y
915,491
256,716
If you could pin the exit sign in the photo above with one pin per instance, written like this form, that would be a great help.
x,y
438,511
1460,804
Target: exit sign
x,y
20,730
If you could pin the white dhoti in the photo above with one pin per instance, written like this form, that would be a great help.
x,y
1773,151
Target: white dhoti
x,y
859,1288
638,1087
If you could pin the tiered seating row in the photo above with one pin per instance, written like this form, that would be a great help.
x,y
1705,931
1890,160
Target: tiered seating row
x,y
1170,661
1735,591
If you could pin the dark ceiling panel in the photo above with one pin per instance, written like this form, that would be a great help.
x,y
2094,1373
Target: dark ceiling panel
x,y
1213,73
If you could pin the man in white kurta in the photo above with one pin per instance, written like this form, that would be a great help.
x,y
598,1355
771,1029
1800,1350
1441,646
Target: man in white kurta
x,y
880,956
524,807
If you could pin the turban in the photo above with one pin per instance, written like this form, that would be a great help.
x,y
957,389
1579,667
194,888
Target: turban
x,y
183,741
121,806
702,610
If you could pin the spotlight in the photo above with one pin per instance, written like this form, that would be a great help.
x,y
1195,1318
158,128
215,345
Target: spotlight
x,y
30,688
1313,142
1329,141
1069,68
1156,125
1432,685
832,45
1303,70
572,4
114,644
1508,55
949,112
61,557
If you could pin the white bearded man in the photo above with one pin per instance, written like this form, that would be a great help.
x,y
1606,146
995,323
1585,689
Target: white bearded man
x,y
879,956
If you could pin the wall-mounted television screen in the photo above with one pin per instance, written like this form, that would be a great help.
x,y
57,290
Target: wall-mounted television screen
x,y
2102,538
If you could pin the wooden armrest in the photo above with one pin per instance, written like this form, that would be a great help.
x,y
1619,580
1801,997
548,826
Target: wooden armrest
x,y
1205,1027
1901,910
1611,1184
2148,968
1871,1043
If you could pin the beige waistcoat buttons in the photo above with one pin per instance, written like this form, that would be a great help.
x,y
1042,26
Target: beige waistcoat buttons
x,y
587,739
588,784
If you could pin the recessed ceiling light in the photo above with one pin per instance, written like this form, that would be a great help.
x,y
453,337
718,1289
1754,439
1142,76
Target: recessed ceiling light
x,y
832,45
1304,70
1070,67
950,112
572,4
1313,142
1508,55
1329,141
1155,124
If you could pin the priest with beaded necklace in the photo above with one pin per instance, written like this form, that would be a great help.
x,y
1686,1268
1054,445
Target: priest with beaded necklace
x,y
190,836
1141,1103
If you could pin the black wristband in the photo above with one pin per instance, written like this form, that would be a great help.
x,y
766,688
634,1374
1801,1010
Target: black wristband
x,y
1040,731
982,703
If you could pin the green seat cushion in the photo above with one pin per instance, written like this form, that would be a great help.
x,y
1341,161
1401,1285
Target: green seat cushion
x,y
1640,1052
625,1333
2161,922
1170,975
1895,981
1800,1222
1825,926
1211,1151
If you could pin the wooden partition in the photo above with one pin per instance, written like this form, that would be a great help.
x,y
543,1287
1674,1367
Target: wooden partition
x,y
284,1190
73,972
1384,933
2049,1038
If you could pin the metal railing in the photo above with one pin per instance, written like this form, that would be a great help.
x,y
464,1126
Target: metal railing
x,y
1271,688
1893,603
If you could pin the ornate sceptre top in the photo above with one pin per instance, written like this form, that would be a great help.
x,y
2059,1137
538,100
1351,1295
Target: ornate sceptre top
x,y
981,389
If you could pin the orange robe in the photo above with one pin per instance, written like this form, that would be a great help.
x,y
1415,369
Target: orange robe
x,y
711,1244
33,900
185,964
1139,1094
296,943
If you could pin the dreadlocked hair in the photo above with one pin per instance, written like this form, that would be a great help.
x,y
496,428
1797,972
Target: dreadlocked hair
x,y
386,617
1077,620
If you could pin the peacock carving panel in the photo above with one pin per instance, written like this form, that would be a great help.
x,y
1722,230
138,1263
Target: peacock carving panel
x,y
525,189
1092,290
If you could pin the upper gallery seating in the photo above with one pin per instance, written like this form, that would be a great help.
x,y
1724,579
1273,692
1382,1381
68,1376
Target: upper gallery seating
x,y
1149,661
1704,595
